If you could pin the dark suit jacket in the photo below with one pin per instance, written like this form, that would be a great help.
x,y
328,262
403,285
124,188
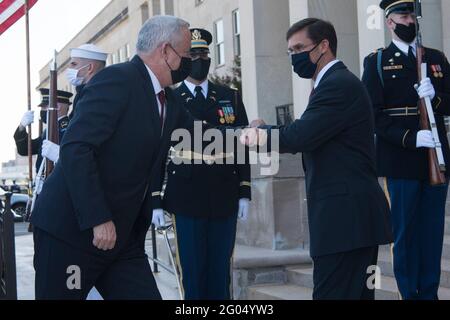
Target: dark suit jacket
x,y
106,161
346,207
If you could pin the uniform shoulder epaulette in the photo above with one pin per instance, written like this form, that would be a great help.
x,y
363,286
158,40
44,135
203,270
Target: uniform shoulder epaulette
x,y
376,51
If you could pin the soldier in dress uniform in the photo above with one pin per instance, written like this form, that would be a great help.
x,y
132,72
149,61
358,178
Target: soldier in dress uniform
x,y
418,209
205,199
40,146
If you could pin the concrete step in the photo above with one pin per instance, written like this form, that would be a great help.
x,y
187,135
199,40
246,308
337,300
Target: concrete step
x,y
447,227
279,292
446,248
385,263
388,291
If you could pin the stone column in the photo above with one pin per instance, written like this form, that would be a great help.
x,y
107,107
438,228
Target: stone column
x,y
371,28
275,221
266,70
446,26
299,10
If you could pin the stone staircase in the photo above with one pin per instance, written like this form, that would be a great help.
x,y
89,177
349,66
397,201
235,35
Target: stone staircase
x,y
298,280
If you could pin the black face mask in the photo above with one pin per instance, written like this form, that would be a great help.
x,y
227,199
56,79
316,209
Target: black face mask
x,y
200,69
406,33
183,71
303,66
44,116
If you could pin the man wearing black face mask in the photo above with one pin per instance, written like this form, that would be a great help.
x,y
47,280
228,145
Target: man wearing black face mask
x,y
418,209
348,213
37,148
206,206
95,209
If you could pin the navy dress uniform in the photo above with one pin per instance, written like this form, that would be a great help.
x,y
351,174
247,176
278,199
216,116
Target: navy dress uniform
x,y
418,209
204,198
21,136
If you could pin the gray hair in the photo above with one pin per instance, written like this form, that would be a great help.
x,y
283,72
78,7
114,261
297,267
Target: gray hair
x,y
157,30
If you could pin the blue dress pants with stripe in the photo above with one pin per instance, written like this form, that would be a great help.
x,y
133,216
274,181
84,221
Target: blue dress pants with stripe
x,y
205,247
418,218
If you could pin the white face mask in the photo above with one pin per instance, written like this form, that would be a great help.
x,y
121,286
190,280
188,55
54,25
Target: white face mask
x,y
72,76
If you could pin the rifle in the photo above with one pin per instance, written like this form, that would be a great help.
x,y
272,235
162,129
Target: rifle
x,y
52,113
436,160
52,134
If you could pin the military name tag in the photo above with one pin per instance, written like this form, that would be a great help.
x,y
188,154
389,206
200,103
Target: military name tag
x,y
387,68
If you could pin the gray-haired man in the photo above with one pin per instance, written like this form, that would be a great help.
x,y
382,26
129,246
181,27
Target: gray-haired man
x,y
94,211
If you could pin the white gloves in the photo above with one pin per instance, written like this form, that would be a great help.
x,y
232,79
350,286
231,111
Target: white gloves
x,y
426,89
27,119
158,218
244,206
50,151
425,139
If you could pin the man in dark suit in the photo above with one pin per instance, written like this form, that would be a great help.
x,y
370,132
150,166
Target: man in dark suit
x,y
94,211
418,208
348,213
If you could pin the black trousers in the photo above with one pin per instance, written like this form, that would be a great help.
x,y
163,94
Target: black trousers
x,y
344,276
64,272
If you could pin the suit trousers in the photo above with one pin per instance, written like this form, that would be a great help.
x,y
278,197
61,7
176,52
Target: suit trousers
x,y
64,272
345,276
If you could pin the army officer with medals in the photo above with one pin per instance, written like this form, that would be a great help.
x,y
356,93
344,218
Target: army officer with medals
x,y
206,199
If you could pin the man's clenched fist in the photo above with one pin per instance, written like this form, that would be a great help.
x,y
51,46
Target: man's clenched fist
x,y
105,236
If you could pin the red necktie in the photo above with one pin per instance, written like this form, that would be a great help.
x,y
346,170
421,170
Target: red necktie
x,y
162,100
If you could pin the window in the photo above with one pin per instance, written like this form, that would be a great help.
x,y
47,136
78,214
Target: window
x,y
128,52
156,7
115,58
198,2
123,54
219,45
145,14
237,32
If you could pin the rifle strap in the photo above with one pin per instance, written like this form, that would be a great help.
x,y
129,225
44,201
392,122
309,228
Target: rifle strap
x,y
379,65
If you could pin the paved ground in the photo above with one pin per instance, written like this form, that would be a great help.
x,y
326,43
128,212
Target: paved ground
x,y
25,272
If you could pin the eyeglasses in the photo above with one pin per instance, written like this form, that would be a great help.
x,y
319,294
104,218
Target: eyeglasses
x,y
196,56
186,54
299,48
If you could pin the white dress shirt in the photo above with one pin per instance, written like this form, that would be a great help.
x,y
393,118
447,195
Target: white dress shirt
x,y
404,47
323,71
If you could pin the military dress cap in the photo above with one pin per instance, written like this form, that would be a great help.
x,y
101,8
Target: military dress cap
x,y
89,51
397,6
200,40
63,97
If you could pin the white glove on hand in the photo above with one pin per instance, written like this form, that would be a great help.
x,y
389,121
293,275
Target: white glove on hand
x,y
425,139
244,206
50,151
426,89
27,119
158,218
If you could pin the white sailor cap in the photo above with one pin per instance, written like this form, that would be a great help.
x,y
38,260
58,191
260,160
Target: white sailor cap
x,y
89,51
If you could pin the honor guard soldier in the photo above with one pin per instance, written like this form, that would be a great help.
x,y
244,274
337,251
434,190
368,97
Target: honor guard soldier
x,y
205,199
40,146
418,209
